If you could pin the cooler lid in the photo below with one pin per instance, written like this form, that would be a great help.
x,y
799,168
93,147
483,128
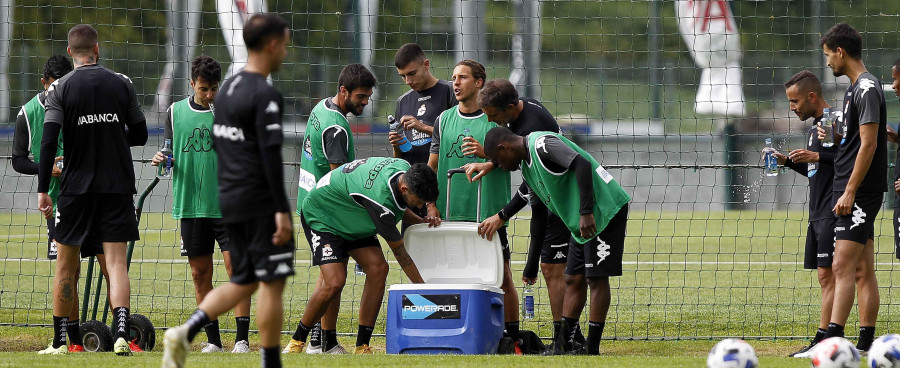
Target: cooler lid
x,y
454,253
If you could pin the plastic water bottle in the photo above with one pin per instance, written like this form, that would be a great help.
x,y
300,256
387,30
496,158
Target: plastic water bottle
x,y
827,124
405,146
359,270
468,133
165,167
771,162
59,164
528,302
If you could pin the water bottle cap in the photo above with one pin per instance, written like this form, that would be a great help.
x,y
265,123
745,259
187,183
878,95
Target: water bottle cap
x,y
391,119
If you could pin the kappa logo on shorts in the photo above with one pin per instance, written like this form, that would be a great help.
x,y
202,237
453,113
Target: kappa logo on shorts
x,y
859,217
282,269
559,255
602,250
182,245
315,240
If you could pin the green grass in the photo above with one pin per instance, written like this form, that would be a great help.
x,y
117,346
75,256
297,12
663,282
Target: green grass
x,y
695,276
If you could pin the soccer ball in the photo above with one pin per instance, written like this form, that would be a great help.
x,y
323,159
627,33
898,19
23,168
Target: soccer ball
x,y
835,352
885,352
732,353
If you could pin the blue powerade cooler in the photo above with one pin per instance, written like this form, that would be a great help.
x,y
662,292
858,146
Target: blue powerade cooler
x,y
459,308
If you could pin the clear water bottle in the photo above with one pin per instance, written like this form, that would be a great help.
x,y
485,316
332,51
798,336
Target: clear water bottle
x,y
59,164
359,270
467,133
395,125
165,168
528,302
827,124
771,161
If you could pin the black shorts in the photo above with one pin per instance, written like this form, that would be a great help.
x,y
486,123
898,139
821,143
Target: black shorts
x,y
819,244
600,256
88,249
332,248
504,244
859,225
555,249
88,218
253,256
199,235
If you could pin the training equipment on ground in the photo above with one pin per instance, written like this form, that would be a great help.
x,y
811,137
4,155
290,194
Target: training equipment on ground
x,y
459,308
885,352
732,353
835,352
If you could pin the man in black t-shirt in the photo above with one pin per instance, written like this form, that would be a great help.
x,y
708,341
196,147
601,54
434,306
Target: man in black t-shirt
x,y
99,116
549,236
860,180
247,136
892,136
418,108
816,162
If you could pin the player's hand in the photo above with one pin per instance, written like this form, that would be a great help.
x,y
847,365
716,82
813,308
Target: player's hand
x,y
395,139
897,186
587,225
780,157
283,231
482,168
472,147
45,205
844,204
433,216
529,280
489,226
892,134
802,156
410,122
56,171
820,132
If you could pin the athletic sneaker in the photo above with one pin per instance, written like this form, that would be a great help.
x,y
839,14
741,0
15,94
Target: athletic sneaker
x,y
241,347
517,348
804,352
177,346
135,348
337,350
50,350
75,348
314,349
121,347
364,349
211,348
294,347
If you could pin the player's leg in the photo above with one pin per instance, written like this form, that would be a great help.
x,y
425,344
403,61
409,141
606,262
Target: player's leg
x,y
554,254
327,331
241,314
198,245
269,318
574,299
604,254
511,295
64,294
119,291
556,286
73,328
868,297
369,255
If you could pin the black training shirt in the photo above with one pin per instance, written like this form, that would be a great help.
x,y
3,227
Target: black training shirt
x,y
820,174
863,104
426,106
247,136
533,118
93,105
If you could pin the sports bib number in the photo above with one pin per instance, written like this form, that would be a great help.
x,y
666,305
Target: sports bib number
x,y
605,175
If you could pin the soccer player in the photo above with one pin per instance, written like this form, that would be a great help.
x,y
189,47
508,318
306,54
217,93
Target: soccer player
x,y
591,204
99,116
247,136
419,107
804,92
27,141
195,200
892,136
859,183
327,144
341,217
549,237
457,132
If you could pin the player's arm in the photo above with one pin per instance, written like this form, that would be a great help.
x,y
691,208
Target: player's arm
x,y
270,137
490,225
335,140
393,137
20,150
869,116
538,227
135,122
386,226
435,149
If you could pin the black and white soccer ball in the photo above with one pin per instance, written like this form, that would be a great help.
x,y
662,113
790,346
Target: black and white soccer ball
x,y
885,352
835,352
732,353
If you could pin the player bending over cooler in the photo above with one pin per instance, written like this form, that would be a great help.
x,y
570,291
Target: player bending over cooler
x,y
341,217
591,204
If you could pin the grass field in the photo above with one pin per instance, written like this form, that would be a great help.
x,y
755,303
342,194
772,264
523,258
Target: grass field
x,y
690,277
